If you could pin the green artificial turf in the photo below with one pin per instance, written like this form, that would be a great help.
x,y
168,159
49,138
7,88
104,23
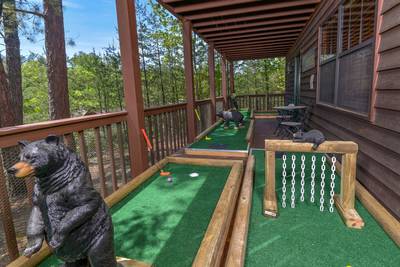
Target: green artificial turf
x,y
229,139
304,236
163,223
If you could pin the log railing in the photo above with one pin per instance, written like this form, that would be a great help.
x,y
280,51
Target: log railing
x,y
261,102
100,140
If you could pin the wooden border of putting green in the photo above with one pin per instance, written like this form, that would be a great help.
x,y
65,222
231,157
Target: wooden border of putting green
x,y
387,221
212,245
238,242
220,152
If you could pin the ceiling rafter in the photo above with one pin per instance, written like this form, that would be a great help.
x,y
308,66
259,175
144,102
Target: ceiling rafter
x,y
252,35
286,26
210,5
255,17
252,40
253,24
253,8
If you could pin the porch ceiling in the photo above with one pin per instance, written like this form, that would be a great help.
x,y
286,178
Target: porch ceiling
x,y
246,29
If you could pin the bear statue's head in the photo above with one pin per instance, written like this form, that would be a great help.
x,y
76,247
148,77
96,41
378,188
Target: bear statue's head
x,y
40,158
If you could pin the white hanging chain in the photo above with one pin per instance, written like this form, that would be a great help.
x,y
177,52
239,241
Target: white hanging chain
x,y
322,192
313,159
332,193
284,181
303,174
292,204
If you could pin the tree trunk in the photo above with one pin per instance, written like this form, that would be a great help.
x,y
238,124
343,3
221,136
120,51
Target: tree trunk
x,y
161,76
12,89
56,59
13,62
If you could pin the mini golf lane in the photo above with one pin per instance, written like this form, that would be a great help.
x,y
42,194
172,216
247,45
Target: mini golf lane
x,y
306,237
163,223
229,139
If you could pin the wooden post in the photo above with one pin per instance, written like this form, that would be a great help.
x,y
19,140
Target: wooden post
x,y
224,89
232,77
270,204
211,78
126,14
188,63
348,181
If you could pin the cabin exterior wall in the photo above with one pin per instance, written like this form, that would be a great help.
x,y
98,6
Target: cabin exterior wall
x,y
378,133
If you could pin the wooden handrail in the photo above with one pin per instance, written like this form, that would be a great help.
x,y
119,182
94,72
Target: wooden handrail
x,y
9,136
163,109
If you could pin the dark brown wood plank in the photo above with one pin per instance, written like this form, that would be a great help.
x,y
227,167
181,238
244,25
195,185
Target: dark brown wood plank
x,y
112,157
121,152
391,19
100,164
83,148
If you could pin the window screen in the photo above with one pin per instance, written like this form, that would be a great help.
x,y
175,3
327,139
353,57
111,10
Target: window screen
x,y
327,82
329,39
308,60
355,72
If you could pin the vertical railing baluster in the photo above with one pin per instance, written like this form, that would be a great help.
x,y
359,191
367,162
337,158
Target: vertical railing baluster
x,y
156,143
150,131
112,158
100,164
83,148
162,135
121,152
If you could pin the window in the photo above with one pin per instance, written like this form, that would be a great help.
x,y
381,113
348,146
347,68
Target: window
x,y
308,60
346,66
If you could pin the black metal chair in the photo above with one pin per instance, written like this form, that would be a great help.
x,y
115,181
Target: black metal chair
x,y
295,125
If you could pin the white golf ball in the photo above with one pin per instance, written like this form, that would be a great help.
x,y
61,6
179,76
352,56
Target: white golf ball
x,y
194,174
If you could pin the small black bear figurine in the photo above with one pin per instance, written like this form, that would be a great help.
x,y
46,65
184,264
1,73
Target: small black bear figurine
x,y
233,115
314,136
67,211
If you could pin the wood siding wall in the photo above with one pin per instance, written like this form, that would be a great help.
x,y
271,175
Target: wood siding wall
x,y
378,137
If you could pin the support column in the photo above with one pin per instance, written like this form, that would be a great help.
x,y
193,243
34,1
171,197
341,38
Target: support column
x,y
232,77
126,14
211,78
188,64
224,89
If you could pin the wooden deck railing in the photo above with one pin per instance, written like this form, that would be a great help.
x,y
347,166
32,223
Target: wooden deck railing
x,y
102,142
261,102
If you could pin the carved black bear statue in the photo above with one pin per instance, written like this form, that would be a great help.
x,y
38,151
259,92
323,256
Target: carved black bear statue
x,y
67,211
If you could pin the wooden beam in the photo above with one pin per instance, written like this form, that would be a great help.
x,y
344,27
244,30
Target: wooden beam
x,y
340,147
256,41
253,53
252,17
251,25
256,34
237,245
249,9
211,80
255,47
209,5
232,77
270,202
261,29
224,89
126,14
188,63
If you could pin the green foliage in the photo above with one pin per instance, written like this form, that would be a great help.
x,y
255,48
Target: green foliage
x,y
95,78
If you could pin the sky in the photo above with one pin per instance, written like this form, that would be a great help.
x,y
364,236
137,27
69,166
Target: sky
x,y
90,23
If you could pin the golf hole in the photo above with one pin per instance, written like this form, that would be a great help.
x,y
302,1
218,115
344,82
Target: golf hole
x,y
194,174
